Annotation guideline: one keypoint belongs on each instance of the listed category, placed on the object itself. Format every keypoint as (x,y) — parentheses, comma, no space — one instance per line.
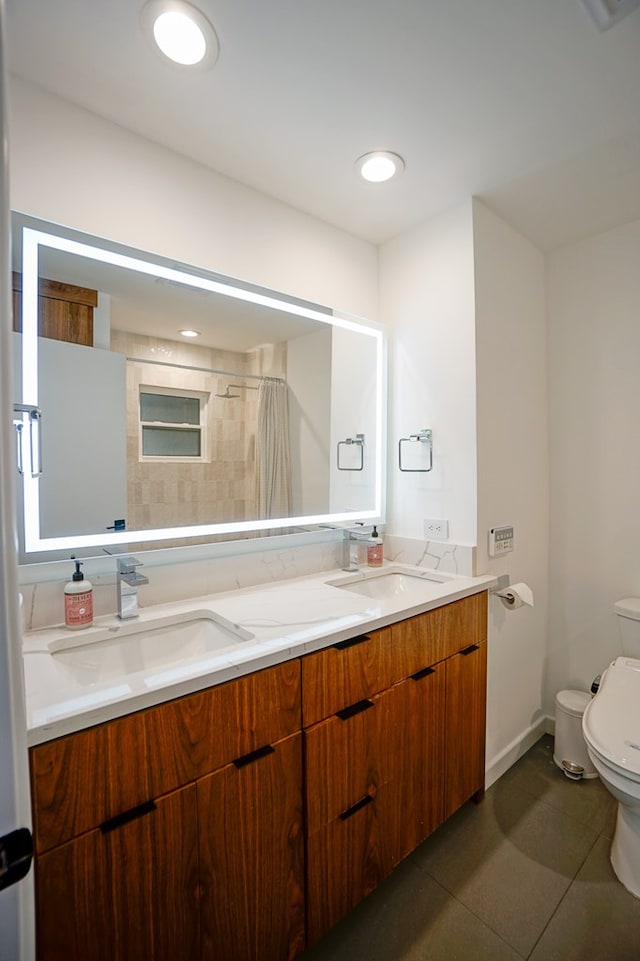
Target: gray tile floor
(523,875)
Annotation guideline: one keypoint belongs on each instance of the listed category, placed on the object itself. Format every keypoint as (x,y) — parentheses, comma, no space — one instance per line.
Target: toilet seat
(611,721)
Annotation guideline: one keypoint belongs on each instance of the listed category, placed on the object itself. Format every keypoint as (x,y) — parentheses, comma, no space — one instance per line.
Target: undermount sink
(104,653)
(390,584)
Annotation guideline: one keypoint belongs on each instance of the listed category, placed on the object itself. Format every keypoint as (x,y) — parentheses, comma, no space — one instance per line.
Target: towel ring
(358,440)
(422,437)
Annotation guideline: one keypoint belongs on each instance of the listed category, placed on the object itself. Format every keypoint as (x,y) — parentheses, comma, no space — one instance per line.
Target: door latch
(16,854)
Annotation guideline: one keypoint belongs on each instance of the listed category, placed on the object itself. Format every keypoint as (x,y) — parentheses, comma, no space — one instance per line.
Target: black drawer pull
(367,799)
(425,672)
(354,709)
(254,756)
(351,642)
(470,649)
(131,815)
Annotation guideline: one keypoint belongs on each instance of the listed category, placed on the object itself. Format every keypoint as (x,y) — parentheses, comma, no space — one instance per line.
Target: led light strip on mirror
(35,239)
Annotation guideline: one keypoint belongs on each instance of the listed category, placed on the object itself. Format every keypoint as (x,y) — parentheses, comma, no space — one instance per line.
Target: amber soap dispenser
(374,549)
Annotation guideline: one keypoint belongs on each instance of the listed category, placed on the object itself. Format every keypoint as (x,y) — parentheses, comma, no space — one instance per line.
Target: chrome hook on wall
(423,437)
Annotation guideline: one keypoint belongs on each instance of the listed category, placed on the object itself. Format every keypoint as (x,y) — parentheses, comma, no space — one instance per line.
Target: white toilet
(611,728)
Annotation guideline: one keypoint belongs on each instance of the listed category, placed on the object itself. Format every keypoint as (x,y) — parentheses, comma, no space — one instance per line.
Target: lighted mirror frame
(35,239)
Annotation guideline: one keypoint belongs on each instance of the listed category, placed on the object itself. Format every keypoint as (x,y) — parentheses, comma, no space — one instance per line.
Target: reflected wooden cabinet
(65,311)
(240,823)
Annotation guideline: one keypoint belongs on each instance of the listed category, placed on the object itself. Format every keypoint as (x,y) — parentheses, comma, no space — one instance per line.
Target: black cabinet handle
(351,642)
(367,799)
(131,815)
(425,672)
(470,649)
(354,709)
(254,756)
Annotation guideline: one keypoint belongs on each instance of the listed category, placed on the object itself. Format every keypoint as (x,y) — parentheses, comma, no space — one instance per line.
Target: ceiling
(147,302)
(523,103)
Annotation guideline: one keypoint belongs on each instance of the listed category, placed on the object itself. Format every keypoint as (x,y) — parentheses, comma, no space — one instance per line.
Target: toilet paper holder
(504,580)
(513,596)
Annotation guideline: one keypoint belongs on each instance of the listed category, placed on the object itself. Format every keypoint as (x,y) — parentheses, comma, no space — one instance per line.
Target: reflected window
(172,424)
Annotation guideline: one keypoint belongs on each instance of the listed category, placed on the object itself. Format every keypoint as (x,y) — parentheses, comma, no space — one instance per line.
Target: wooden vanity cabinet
(133,820)
(376,767)
(240,823)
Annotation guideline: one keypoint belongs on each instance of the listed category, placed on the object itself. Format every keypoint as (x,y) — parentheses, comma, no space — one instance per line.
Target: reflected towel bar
(358,440)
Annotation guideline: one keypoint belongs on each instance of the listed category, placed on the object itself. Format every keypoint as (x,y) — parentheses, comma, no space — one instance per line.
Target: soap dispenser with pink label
(78,600)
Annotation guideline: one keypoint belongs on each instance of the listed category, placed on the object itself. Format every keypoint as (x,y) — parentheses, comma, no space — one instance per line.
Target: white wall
(513,473)
(72,167)
(309,380)
(353,411)
(594,340)
(427,298)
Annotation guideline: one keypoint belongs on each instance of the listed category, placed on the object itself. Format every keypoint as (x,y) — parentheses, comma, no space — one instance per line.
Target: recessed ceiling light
(181,32)
(380,165)
(189,333)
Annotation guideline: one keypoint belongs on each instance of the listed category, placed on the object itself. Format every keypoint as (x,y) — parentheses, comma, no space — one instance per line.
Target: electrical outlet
(436,529)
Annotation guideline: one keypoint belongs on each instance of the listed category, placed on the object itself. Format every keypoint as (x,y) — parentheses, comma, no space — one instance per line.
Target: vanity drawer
(350,755)
(345,673)
(351,670)
(80,781)
(83,780)
(428,638)
(198,734)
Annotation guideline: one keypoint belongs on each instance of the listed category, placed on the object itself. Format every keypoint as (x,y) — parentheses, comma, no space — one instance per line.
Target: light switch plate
(500,541)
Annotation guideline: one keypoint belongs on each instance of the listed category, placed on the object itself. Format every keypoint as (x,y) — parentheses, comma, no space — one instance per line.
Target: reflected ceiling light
(189,333)
(380,165)
(181,32)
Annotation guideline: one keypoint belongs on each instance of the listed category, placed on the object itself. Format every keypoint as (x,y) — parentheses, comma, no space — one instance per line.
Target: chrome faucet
(128,581)
(353,536)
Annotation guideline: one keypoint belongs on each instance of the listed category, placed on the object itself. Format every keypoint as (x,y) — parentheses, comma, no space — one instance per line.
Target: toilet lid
(611,722)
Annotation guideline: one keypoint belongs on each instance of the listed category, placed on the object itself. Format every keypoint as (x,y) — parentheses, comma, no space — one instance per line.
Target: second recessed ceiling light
(379,165)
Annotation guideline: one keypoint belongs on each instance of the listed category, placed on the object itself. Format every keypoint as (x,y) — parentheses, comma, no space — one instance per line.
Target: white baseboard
(519,746)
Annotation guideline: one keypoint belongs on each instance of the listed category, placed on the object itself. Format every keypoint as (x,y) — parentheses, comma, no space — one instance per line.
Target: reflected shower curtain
(273,459)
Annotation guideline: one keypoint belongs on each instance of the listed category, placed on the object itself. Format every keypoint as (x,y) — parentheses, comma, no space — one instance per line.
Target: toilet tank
(628,612)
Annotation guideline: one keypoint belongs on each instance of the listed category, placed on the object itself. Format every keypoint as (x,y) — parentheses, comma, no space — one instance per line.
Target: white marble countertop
(69,690)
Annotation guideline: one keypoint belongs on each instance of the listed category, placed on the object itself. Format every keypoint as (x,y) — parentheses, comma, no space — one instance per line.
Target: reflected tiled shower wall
(162,494)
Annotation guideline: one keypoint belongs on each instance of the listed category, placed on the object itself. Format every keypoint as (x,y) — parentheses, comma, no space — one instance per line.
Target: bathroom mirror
(130,433)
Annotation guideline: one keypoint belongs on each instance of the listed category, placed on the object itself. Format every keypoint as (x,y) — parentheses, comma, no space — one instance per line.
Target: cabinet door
(350,755)
(355,805)
(80,781)
(348,858)
(466,702)
(126,892)
(421,759)
(252,856)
